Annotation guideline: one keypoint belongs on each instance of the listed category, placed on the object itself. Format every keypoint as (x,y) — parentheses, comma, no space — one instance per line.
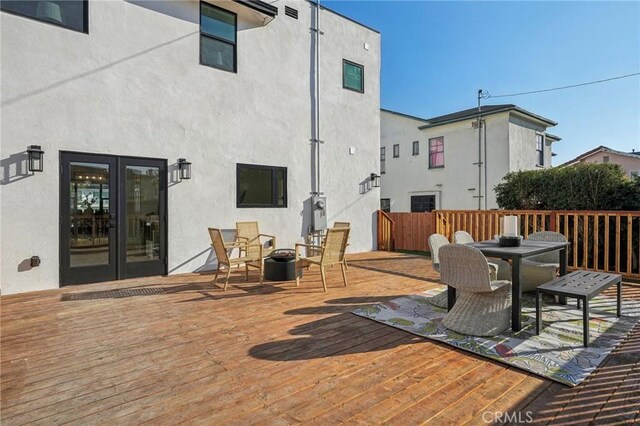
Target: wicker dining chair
(500,269)
(543,267)
(436,242)
(332,252)
(249,233)
(483,306)
(253,257)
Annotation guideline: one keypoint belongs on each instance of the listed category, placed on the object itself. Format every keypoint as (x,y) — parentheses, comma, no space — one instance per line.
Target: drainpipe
(486,191)
(479,151)
(318,140)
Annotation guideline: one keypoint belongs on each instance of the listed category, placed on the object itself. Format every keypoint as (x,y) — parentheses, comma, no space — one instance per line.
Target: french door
(113,217)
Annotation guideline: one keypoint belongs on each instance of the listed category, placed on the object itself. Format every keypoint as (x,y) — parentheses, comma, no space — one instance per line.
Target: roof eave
(260,6)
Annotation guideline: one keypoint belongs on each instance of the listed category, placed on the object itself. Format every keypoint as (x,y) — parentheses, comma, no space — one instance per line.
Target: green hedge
(579,187)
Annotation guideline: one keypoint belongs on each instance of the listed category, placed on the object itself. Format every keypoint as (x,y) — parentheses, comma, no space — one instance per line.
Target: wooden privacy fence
(607,241)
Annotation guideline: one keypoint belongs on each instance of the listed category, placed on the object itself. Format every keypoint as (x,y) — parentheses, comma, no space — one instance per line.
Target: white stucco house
(628,161)
(452,162)
(270,103)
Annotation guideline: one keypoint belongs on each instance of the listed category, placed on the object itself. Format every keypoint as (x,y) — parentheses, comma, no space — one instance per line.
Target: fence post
(552,223)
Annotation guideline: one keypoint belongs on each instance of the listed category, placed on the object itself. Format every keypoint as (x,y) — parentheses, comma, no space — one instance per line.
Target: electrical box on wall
(319,206)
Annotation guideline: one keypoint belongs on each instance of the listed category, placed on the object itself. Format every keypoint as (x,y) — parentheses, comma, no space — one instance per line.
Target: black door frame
(151,267)
(83,274)
(118,267)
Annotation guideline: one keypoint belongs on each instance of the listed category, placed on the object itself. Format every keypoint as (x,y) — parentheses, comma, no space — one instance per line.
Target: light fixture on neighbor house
(375,180)
(35,155)
(184,168)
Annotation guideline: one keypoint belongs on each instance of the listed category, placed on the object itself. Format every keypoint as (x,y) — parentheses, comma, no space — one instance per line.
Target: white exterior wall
(522,148)
(133,86)
(456,185)
(408,173)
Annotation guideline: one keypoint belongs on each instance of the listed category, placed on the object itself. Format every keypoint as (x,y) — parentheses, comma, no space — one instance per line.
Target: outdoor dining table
(527,248)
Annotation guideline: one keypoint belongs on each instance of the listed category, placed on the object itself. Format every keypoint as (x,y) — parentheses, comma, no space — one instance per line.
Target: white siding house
(444,172)
(115,92)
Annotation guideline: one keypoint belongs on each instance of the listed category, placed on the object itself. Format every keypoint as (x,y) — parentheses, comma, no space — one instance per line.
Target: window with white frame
(436,152)
(540,150)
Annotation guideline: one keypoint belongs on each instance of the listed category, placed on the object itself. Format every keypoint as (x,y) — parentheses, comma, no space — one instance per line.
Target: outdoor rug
(557,353)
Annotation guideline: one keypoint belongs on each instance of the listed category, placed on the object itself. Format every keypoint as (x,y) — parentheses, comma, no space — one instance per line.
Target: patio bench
(581,285)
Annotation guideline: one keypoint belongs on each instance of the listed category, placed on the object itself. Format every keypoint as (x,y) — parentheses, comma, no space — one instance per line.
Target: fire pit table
(281,265)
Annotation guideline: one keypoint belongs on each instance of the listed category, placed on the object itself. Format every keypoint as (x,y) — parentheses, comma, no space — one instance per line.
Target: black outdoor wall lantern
(35,154)
(184,168)
(375,180)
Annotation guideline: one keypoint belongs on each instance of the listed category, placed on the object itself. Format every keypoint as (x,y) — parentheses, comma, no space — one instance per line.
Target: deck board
(165,350)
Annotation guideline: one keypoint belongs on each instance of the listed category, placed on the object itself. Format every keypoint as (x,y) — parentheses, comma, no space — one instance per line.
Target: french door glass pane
(89,211)
(142,186)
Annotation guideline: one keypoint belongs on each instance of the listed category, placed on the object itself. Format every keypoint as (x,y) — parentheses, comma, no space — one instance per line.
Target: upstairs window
(436,152)
(416,148)
(383,160)
(261,186)
(218,29)
(605,159)
(385,205)
(540,150)
(71,14)
(352,76)
(396,150)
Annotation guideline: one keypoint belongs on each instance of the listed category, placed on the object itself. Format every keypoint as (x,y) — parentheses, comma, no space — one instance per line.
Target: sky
(436,55)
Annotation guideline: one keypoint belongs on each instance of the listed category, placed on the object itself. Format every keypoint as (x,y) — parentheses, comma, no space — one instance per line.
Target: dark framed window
(385,204)
(416,148)
(605,159)
(261,186)
(396,150)
(352,76)
(71,14)
(383,160)
(436,152)
(218,31)
(423,203)
(540,150)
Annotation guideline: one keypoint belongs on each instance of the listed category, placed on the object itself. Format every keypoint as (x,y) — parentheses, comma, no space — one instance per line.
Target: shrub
(580,187)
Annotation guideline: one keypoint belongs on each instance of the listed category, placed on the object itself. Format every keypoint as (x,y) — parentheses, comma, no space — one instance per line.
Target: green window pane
(217,22)
(281,186)
(255,187)
(353,76)
(216,53)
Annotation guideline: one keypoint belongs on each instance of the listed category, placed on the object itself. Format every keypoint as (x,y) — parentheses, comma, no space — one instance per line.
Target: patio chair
(542,268)
(483,305)
(343,225)
(253,257)
(331,253)
(249,233)
(436,242)
(500,269)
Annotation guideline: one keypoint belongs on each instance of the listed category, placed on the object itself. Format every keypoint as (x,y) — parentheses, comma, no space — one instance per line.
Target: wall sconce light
(375,180)
(35,154)
(184,168)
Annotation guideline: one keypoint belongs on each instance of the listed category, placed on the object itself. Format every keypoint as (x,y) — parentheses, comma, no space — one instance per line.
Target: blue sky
(436,55)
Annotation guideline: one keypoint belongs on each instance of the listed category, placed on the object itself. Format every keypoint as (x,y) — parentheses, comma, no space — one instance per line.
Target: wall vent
(289,11)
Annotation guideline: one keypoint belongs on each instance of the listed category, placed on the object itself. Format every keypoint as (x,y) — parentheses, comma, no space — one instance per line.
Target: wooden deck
(178,349)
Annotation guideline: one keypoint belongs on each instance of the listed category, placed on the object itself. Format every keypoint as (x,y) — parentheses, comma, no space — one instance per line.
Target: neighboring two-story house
(159,119)
(628,161)
(453,161)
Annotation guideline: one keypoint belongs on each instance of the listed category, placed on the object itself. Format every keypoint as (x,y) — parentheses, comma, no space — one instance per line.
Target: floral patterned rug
(557,353)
